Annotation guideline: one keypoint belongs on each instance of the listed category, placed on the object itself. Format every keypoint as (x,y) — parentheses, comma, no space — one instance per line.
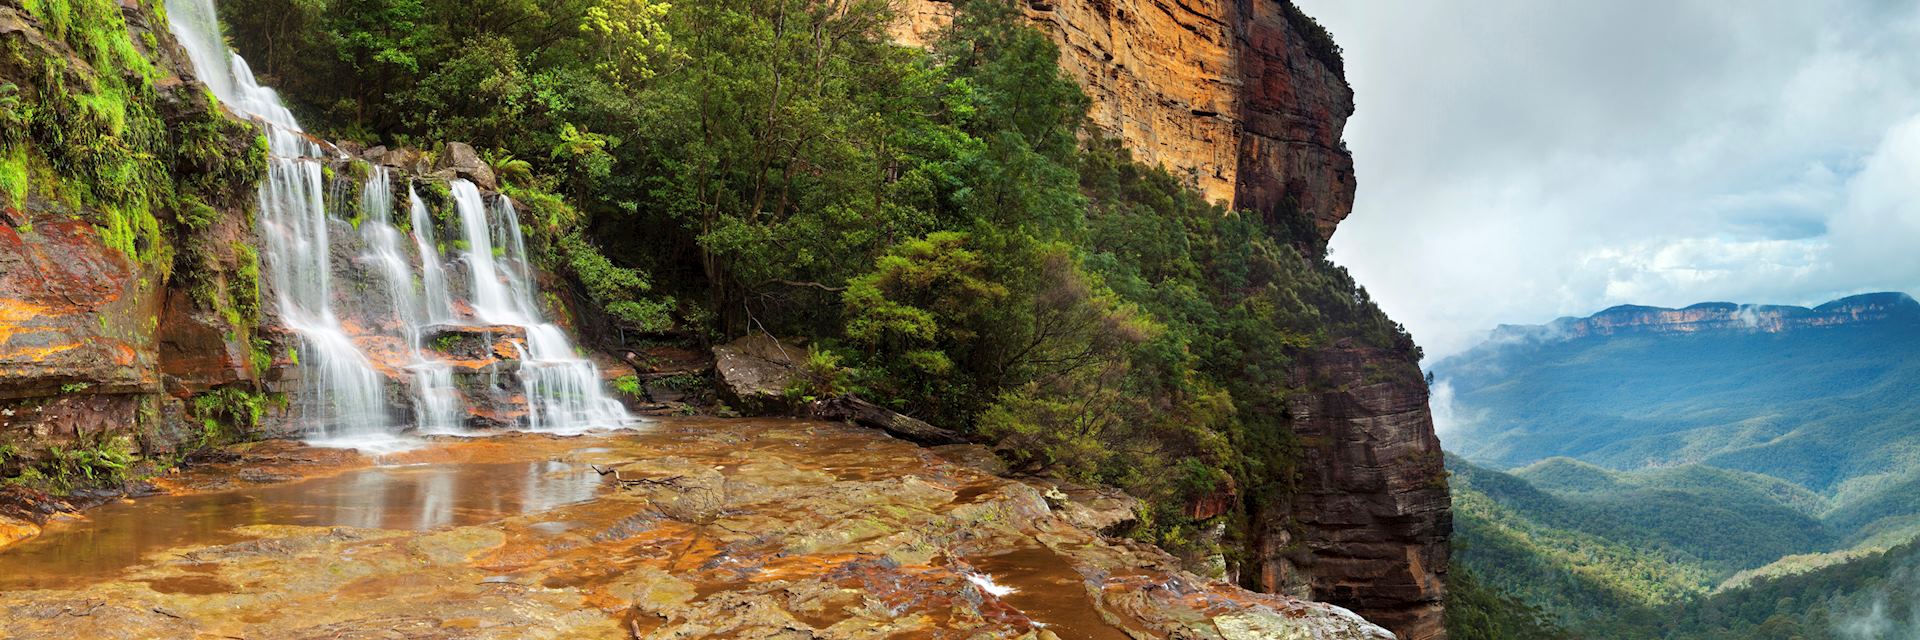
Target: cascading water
(348,363)
(436,403)
(562,389)
(433,276)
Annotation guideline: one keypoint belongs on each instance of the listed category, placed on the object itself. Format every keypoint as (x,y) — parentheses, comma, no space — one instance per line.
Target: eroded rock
(755,371)
(459,160)
(701,528)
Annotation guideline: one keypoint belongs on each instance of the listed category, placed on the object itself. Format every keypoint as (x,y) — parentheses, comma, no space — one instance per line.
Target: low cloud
(1520,161)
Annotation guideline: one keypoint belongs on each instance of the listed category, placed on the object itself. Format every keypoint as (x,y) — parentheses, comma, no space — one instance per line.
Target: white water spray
(344,397)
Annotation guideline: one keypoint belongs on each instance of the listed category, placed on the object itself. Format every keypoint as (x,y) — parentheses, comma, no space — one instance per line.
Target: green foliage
(229,414)
(13,177)
(619,290)
(820,376)
(86,125)
(1543,550)
(629,385)
(260,355)
(631,35)
(941,222)
(1478,612)
(91,462)
(510,170)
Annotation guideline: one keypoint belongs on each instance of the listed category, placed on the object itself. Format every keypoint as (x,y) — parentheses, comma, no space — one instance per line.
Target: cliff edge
(1247,98)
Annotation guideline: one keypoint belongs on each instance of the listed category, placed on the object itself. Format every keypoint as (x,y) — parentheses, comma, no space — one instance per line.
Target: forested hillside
(1825,402)
(935,220)
(1587,553)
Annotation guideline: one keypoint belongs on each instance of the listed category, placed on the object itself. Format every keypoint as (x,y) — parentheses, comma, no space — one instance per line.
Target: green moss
(243,285)
(95,125)
(260,355)
(97,462)
(238,410)
(13,178)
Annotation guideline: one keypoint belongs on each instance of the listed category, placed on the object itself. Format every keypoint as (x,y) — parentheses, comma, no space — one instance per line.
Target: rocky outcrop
(755,371)
(1368,524)
(1245,98)
(697,528)
(120,305)
(458,160)
(1871,308)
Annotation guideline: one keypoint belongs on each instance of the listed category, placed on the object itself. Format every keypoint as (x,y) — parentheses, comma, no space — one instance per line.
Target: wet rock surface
(695,528)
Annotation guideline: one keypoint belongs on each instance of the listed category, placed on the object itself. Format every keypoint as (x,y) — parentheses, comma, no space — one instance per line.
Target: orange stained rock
(740,528)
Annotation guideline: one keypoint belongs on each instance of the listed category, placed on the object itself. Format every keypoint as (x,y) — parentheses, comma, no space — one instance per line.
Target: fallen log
(853,409)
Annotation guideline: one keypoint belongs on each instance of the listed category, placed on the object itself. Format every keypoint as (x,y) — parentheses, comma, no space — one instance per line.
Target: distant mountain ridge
(1882,307)
(1717,471)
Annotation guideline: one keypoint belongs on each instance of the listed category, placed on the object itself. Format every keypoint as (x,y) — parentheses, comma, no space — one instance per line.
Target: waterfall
(433,276)
(563,390)
(353,346)
(436,402)
(345,398)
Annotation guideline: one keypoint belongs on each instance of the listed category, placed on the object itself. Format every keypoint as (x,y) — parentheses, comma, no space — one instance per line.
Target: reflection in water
(1044,586)
(416,497)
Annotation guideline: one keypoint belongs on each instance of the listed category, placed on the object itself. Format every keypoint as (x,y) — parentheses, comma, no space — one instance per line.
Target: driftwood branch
(852,408)
(669,481)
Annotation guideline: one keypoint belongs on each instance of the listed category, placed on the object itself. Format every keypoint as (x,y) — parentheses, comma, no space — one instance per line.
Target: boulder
(754,373)
(459,160)
(396,158)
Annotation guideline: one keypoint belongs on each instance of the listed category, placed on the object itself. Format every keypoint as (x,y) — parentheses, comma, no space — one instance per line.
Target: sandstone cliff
(1247,98)
(1244,97)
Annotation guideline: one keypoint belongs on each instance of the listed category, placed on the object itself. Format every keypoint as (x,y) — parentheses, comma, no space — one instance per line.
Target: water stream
(367,374)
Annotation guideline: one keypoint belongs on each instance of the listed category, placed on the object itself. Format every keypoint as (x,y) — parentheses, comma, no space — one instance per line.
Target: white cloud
(1521,160)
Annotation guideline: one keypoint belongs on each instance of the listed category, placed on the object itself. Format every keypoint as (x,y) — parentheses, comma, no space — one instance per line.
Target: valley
(1618,469)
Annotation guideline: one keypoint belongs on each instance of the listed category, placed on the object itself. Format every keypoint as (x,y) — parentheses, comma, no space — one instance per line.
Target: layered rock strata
(1248,100)
(1234,95)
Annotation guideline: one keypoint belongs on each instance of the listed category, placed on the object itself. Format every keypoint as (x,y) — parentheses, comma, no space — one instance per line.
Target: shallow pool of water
(410,497)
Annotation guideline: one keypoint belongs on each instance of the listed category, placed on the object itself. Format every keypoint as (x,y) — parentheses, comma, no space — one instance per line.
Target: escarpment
(1713,317)
(1247,99)
(1244,98)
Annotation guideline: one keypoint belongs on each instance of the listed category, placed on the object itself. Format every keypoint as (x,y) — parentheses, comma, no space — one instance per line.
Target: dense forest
(1565,549)
(943,226)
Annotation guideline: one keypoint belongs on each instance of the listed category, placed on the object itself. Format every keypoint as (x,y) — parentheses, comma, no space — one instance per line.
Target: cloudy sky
(1522,160)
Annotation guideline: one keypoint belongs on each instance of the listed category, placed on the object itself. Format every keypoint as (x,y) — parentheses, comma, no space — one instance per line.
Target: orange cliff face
(1247,98)
(1228,94)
